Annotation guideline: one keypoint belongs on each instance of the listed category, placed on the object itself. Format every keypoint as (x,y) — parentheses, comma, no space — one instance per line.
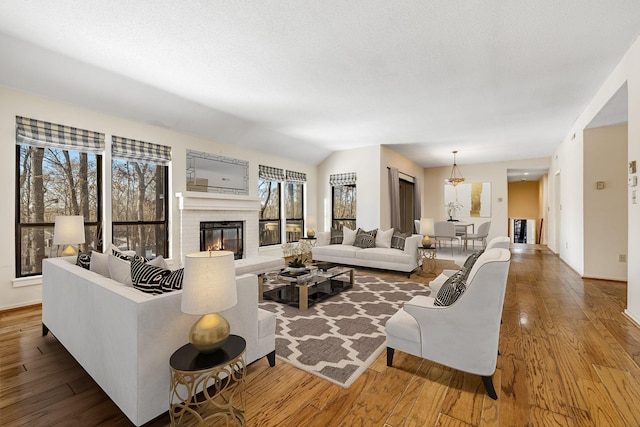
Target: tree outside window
(344,206)
(52,182)
(295,208)
(269,220)
(139,206)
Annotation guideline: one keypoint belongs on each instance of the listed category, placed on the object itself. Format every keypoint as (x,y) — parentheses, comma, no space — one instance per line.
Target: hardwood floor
(569,357)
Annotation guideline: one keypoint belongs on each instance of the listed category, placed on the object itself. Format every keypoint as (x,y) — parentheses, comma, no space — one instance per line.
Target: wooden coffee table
(306,289)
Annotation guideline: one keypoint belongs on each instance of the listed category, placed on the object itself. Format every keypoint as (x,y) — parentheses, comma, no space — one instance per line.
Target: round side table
(428,256)
(208,389)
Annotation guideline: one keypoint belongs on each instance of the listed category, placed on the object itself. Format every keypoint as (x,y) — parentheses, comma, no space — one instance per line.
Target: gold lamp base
(69,250)
(426,242)
(310,233)
(209,333)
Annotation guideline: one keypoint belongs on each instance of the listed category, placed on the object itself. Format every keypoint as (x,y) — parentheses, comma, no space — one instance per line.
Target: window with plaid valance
(271,173)
(41,134)
(338,179)
(140,151)
(296,176)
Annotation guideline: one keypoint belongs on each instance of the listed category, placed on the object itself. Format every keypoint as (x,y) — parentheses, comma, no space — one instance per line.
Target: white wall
(568,159)
(494,173)
(605,210)
(14,293)
(365,163)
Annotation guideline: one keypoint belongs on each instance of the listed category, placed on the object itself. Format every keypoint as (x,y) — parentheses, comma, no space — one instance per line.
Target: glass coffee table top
(302,289)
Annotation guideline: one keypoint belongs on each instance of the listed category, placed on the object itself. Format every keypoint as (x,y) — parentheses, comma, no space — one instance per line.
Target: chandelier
(456,176)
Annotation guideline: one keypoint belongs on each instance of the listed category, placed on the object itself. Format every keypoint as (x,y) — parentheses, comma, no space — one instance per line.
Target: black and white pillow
(173,281)
(365,239)
(450,291)
(336,237)
(398,240)
(471,259)
(147,278)
(84,260)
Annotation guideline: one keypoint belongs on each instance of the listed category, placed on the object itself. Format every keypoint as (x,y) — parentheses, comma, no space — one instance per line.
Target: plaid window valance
(139,151)
(270,173)
(342,179)
(296,176)
(50,135)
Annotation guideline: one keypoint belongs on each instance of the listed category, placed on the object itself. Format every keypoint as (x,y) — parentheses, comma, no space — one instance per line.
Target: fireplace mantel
(193,200)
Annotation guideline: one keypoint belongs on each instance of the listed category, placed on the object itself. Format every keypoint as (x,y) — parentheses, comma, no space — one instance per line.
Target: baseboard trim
(632,317)
(611,279)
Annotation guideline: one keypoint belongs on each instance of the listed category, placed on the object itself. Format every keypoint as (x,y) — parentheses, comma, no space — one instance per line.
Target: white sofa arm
(323,238)
(411,245)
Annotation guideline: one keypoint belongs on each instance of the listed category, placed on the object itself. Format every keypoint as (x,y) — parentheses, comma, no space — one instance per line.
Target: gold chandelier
(456,176)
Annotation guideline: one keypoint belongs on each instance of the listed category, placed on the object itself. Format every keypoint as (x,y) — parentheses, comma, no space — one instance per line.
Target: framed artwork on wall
(472,200)
(216,174)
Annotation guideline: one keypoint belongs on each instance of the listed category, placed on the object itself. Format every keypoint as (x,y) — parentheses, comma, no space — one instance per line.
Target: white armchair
(464,335)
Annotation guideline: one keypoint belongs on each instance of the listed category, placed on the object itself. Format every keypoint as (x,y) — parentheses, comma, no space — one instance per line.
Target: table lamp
(311,222)
(209,287)
(426,229)
(68,230)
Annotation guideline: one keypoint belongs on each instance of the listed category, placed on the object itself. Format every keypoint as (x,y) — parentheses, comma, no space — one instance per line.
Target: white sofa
(124,338)
(384,258)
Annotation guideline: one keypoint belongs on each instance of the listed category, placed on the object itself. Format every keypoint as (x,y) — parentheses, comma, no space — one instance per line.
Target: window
(269,222)
(294,207)
(58,172)
(139,188)
(294,203)
(343,200)
(344,207)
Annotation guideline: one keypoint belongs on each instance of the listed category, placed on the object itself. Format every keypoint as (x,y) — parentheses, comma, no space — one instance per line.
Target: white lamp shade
(209,283)
(311,221)
(426,226)
(68,230)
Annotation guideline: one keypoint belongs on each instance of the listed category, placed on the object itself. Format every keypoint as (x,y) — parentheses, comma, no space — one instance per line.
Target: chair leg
(488,385)
(390,356)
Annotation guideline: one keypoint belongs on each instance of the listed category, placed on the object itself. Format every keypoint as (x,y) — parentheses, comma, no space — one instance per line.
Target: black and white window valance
(296,176)
(270,173)
(50,135)
(139,151)
(338,179)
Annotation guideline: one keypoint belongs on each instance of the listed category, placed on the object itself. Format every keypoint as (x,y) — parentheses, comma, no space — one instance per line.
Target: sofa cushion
(383,238)
(147,278)
(341,251)
(84,260)
(348,236)
(383,255)
(99,263)
(450,291)
(120,270)
(336,237)
(365,239)
(398,239)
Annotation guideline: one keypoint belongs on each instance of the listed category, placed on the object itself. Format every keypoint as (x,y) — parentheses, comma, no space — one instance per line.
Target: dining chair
(445,230)
(481,235)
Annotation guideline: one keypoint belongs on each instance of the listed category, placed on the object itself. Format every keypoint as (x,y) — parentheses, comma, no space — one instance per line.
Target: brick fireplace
(196,207)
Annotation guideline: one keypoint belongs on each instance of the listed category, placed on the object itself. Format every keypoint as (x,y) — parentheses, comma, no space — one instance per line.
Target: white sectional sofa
(124,338)
(378,257)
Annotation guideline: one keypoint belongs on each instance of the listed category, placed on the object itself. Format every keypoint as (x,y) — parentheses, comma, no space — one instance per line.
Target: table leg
(303,299)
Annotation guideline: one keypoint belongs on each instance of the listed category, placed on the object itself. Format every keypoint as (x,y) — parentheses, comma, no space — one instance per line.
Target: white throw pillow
(383,238)
(99,263)
(120,270)
(114,248)
(348,236)
(159,262)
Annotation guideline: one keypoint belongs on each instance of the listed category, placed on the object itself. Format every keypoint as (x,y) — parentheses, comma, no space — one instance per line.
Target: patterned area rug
(339,338)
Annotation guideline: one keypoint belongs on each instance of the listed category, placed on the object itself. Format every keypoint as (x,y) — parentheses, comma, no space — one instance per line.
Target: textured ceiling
(496,80)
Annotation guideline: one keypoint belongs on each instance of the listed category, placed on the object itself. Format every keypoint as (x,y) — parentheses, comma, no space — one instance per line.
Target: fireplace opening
(222,236)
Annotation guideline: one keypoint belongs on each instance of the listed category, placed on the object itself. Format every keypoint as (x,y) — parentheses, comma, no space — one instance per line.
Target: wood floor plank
(624,390)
